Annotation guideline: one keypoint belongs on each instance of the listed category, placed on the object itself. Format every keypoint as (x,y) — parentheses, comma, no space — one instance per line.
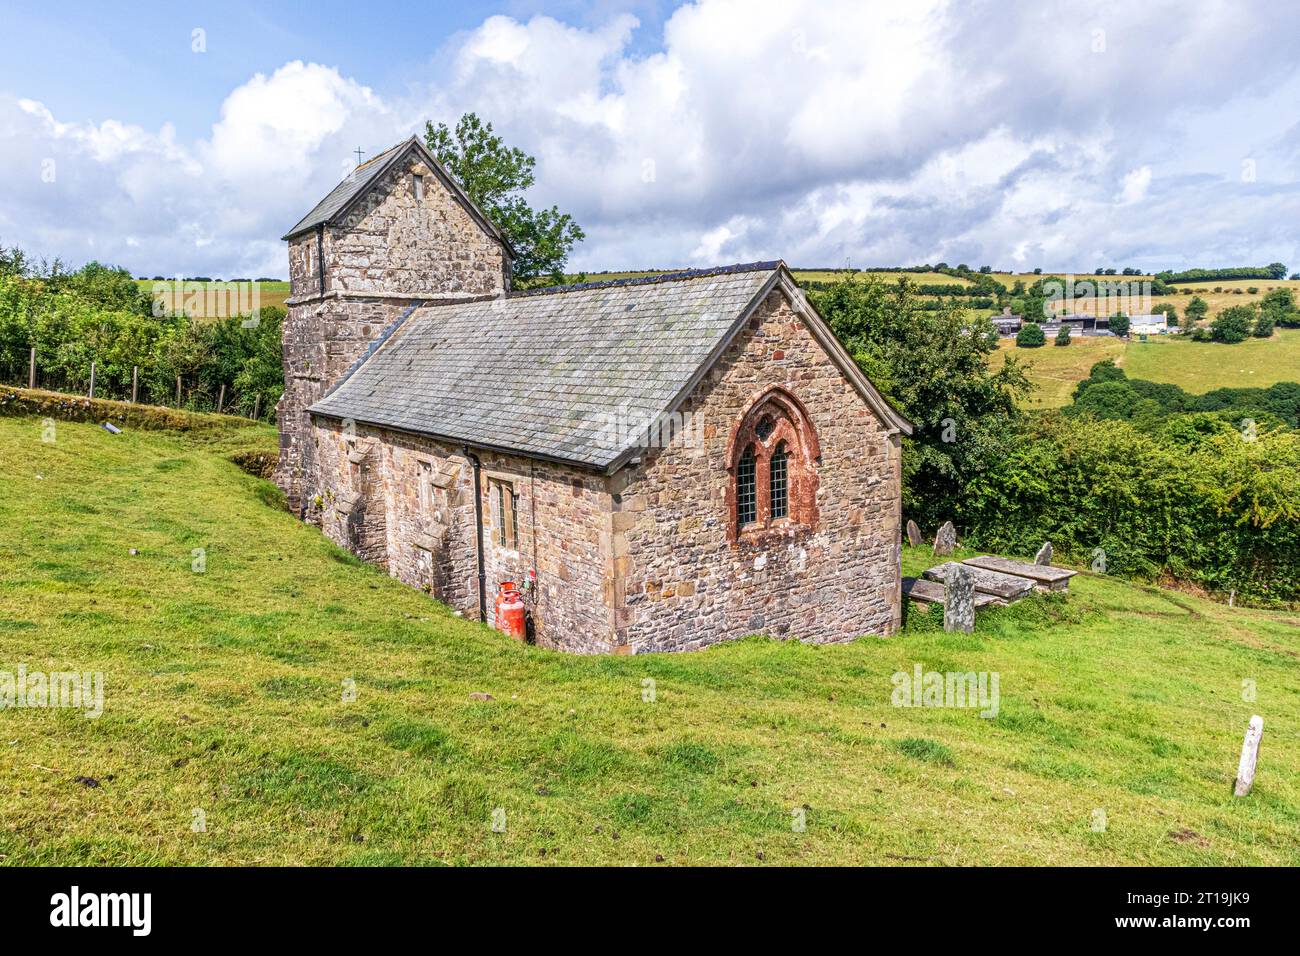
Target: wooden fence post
(257,405)
(178,391)
(92,381)
(135,382)
(31,371)
(221,398)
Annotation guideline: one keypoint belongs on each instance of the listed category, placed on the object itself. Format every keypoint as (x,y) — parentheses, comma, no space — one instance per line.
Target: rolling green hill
(224,694)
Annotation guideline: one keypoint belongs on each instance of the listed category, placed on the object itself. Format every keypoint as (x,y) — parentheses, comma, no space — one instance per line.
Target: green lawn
(224,694)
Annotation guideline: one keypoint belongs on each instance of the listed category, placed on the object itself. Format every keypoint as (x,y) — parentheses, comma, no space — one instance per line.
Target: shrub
(1233,324)
(1030,336)
(1280,305)
(1063,335)
(1222,510)
(97,315)
(934,366)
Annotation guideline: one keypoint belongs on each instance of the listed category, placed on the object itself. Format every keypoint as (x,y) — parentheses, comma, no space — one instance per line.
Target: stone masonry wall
(681,583)
(407,502)
(321,339)
(391,243)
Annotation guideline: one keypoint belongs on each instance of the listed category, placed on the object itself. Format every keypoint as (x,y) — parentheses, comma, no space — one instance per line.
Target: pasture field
(1116,737)
(810,275)
(1202,366)
(1235,292)
(269,293)
(920,278)
(1197,367)
(1056,370)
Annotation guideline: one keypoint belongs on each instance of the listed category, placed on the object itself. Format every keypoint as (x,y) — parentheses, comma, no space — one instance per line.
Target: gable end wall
(682,584)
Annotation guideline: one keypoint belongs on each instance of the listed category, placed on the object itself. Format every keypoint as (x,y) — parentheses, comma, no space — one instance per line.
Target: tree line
(1274,270)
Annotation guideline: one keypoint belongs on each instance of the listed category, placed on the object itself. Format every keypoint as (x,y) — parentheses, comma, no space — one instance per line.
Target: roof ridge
(740,267)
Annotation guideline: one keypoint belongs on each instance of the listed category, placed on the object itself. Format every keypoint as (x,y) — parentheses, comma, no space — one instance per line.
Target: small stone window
(417,187)
(505,513)
(746,498)
(774,456)
(426,487)
(353,459)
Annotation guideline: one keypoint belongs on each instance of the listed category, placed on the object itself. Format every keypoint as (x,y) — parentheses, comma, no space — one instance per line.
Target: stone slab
(1045,577)
(1009,587)
(931,592)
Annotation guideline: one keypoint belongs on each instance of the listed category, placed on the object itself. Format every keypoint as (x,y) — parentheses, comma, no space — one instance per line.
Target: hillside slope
(224,694)
(1197,367)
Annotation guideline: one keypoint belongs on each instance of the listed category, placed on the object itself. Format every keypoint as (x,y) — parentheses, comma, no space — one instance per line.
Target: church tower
(397,232)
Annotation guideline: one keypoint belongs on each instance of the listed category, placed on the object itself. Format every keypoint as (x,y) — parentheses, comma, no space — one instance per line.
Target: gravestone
(959,600)
(945,539)
(1249,754)
(913,534)
(1044,555)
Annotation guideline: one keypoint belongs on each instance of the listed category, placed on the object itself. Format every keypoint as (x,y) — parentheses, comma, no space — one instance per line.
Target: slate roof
(355,184)
(550,373)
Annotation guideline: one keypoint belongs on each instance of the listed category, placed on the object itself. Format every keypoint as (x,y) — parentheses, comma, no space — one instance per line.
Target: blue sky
(139,67)
(1058,134)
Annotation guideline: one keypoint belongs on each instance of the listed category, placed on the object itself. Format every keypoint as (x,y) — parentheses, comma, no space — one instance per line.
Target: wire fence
(135,386)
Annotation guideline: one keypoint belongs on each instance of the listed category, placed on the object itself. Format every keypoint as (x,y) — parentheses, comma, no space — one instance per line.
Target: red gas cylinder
(510,614)
(506,587)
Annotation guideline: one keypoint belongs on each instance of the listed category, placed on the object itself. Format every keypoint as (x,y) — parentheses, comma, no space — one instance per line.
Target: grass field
(1197,367)
(268,293)
(275,293)
(920,278)
(1055,370)
(1235,292)
(1202,366)
(223,695)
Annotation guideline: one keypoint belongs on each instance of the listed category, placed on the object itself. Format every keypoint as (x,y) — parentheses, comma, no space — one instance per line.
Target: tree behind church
(933,364)
(495,176)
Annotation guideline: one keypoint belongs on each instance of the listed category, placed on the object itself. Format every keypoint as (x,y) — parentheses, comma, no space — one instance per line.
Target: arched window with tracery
(773,456)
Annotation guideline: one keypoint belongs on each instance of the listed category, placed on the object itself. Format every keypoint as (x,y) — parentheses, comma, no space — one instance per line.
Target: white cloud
(877,133)
(1136,184)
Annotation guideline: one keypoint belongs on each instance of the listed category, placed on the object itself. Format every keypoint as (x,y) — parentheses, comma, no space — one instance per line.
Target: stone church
(659,463)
